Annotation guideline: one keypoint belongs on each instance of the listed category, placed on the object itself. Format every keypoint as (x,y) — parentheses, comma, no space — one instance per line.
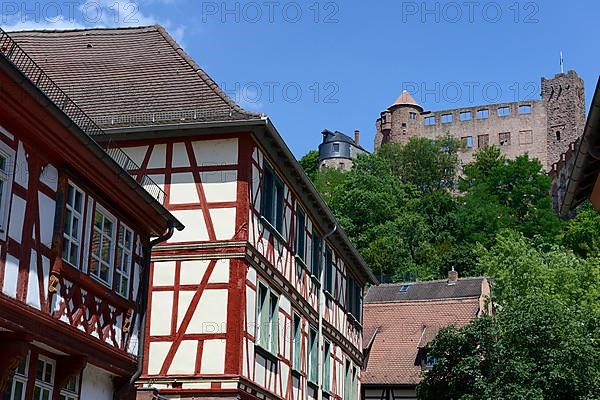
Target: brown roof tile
(130,76)
(425,290)
(399,323)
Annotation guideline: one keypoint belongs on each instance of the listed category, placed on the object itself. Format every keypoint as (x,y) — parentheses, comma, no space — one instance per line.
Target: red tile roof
(401,327)
(130,76)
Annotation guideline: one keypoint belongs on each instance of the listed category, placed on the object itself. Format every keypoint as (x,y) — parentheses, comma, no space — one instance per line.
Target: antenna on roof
(562,63)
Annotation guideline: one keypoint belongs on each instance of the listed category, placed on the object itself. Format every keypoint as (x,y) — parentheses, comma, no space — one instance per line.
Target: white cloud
(89,14)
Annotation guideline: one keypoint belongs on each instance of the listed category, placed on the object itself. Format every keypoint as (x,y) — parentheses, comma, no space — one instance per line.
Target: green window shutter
(266,208)
(327,367)
(316,254)
(274,322)
(300,234)
(263,316)
(350,292)
(297,342)
(279,206)
(312,356)
(347,382)
(329,271)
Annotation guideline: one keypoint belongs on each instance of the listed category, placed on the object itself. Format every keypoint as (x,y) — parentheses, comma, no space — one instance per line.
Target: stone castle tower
(564,99)
(542,128)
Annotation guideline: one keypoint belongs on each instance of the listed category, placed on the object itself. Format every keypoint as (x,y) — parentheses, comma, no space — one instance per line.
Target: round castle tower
(401,121)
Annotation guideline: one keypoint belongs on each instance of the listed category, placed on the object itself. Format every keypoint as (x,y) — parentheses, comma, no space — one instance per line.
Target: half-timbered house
(75,240)
(260,296)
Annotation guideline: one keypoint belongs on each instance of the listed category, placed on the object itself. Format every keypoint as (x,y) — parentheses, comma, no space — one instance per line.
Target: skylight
(404,288)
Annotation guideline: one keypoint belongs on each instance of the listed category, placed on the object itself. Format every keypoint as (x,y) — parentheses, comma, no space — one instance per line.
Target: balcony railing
(10,50)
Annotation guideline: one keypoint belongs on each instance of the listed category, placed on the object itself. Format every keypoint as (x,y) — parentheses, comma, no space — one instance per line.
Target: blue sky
(337,64)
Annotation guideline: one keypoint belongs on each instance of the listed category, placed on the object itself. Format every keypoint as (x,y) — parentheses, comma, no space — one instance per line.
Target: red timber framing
(180,360)
(44,301)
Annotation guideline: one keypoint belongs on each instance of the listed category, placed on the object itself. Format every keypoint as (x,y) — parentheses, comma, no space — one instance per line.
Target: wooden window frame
(112,250)
(69,239)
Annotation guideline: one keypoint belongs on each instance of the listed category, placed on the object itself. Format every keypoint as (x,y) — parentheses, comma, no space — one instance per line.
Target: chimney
(356,137)
(452,277)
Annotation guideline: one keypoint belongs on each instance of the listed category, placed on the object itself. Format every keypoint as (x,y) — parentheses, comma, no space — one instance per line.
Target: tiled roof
(399,323)
(426,290)
(402,328)
(130,76)
(405,99)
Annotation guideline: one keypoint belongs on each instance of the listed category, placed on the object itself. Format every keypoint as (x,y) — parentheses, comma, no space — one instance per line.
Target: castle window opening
(483,140)
(336,147)
(404,124)
(465,115)
(504,139)
(557,136)
(525,109)
(467,142)
(446,118)
(412,115)
(483,114)
(526,137)
(429,121)
(503,111)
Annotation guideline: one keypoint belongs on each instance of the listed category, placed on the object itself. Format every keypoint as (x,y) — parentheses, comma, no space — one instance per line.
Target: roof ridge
(440,300)
(432,281)
(203,75)
(74,30)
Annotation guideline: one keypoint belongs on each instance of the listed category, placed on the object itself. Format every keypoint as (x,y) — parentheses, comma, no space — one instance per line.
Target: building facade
(260,296)
(542,128)
(575,177)
(338,150)
(402,318)
(75,230)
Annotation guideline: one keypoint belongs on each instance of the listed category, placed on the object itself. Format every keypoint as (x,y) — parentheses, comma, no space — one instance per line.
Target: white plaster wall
(11,276)
(180,157)
(183,189)
(213,357)
(156,356)
(195,227)
(216,152)
(219,185)
(160,316)
(137,154)
(96,384)
(184,361)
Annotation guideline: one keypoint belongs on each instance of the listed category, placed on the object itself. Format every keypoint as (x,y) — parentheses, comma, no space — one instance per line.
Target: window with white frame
(124,257)
(446,118)
(18,386)
(483,113)
(103,246)
(44,379)
(465,115)
(267,317)
(71,389)
(73,226)
(6,168)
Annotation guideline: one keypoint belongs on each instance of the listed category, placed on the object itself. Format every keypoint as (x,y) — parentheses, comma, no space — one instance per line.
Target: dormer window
(336,147)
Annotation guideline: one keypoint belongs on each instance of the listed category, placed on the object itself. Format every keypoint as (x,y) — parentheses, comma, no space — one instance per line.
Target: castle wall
(544,131)
(515,133)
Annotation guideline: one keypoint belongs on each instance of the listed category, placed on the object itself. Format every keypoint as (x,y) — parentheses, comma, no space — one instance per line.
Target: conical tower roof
(405,99)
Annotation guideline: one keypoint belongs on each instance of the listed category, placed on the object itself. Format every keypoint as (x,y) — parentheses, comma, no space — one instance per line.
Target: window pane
(78,201)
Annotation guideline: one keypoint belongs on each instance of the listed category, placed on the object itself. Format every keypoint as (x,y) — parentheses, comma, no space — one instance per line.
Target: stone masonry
(542,128)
